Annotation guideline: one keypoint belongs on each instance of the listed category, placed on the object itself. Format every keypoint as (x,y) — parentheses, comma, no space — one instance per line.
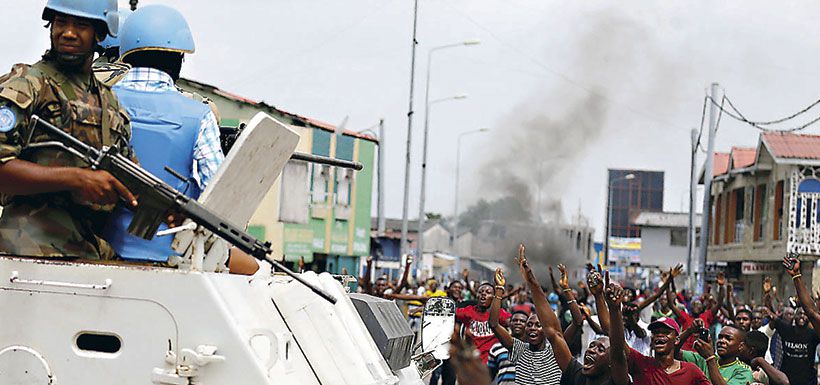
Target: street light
(427,104)
(455,196)
(423,194)
(609,212)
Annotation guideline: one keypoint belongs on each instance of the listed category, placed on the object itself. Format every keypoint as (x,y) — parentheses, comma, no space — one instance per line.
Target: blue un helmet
(104,11)
(156,27)
(114,41)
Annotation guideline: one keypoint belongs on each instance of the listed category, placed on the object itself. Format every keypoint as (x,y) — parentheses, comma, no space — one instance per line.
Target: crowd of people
(600,332)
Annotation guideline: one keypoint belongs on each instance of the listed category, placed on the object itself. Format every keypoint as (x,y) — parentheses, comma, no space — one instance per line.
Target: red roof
(721,165)
(794,146)
(743,157)
(312,122)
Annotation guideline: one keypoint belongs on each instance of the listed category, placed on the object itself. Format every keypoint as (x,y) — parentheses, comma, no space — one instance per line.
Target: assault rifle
(157,199)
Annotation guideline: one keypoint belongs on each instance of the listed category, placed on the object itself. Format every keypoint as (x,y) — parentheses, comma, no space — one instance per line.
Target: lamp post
(455,196)
(403,245)
(380,226)
(609,212)
(423,194)
(427,104)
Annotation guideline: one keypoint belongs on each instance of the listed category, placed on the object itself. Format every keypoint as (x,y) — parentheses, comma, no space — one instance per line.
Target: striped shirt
(500,366)
(207,150)
(534,367)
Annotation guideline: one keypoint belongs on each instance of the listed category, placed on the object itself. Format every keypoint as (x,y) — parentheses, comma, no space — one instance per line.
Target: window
(293,200)
(760,212)
(740,207)
(677,237)
(318,184)
(729,215)
(344,185)
(719,217)
(777,223)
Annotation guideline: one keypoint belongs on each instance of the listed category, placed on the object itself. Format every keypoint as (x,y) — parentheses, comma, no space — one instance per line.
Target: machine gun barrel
(229,135)
(327,160)
(158,198)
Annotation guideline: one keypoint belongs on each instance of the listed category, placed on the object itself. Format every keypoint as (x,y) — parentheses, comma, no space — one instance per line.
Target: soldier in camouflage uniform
(54,206)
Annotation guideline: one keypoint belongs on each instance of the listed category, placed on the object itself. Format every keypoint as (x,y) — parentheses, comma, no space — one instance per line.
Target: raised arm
(724,294)
(595,283)
(654,297)
(367,280)
(776,377)
(705,349)
(568,298)
(697,325)
(403,283)
(792,266)
(466,275)
(500,331)
(549,321)
(673,299)
(618,349)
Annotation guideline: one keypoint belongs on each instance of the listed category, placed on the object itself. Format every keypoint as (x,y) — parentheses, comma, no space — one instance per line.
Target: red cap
(665,322)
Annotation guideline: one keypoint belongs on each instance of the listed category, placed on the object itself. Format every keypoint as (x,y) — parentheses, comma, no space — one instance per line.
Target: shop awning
(491,265)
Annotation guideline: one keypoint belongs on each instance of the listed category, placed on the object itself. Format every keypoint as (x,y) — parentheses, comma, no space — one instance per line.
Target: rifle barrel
(327,160)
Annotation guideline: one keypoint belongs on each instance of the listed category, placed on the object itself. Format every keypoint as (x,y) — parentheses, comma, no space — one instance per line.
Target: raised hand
(595,280)
(791,264)
(676,270)
(500,281)
(564,282)
(585,311)
(614,292)
(704,348)
(409,260)
(767,285)
(466,274)
(721,278)
(697,324)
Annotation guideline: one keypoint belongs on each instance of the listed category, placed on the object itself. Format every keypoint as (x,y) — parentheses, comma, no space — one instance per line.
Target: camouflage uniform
(56,224)
(109,73)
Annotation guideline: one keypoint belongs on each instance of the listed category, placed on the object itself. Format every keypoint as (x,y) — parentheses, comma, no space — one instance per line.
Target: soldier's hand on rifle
(99,187)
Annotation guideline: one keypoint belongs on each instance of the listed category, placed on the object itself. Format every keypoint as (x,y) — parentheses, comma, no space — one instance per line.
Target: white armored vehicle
(99,323)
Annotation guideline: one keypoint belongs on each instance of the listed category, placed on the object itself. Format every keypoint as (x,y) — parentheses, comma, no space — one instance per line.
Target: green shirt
(735,373)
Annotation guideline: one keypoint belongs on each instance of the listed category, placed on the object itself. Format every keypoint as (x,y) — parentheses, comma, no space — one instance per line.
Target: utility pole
(693,183)
(708,170)
(380,183)
(403,246)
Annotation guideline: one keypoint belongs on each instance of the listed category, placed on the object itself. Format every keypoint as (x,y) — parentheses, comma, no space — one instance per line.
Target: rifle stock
(156,199)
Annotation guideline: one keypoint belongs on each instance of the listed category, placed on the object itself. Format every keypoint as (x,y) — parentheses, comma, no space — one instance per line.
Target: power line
(737,115)
(702,122)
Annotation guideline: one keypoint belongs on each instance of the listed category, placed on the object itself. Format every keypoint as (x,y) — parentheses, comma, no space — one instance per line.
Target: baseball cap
(665,322)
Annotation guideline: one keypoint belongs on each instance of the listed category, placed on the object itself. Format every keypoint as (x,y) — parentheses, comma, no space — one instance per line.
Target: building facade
(764,204)
(317,213)
(664,237)
(629,192)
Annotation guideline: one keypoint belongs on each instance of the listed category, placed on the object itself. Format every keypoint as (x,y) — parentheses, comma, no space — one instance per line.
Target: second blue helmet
(157,28)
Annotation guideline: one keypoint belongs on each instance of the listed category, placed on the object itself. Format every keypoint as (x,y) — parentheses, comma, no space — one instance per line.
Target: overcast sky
(648,63)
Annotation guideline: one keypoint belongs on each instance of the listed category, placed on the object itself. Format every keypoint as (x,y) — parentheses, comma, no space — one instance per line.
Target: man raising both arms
(535,362)
(799,340)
